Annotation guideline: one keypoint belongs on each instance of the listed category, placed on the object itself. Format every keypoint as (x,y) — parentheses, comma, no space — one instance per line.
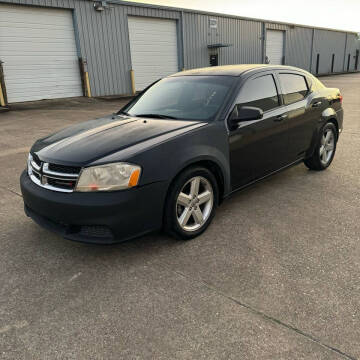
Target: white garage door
(153,46)
(275,46)
(37,46)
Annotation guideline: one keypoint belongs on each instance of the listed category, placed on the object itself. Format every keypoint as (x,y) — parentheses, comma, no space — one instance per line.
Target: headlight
(109,177)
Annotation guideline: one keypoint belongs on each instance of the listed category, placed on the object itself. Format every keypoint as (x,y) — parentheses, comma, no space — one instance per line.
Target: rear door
(259,147)
(302,112)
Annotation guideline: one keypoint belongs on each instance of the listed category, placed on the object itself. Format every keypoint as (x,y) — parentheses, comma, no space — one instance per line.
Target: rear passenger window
(294,87)
(260,92)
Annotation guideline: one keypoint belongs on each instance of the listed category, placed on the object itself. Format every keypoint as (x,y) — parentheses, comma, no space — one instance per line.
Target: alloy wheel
(194,203)
(327,146)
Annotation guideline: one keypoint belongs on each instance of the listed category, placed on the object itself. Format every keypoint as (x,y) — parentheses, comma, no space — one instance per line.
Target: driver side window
(260,92)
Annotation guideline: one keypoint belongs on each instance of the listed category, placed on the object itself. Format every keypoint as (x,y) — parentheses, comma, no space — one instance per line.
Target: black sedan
(170,156)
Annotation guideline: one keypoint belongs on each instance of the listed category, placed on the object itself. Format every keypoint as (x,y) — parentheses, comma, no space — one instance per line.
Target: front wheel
(325,149)
(191,202)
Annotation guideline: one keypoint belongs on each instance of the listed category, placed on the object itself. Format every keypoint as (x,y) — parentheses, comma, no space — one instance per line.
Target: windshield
(183,97)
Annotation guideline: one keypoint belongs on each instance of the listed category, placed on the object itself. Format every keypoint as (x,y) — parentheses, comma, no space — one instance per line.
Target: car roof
(232,70)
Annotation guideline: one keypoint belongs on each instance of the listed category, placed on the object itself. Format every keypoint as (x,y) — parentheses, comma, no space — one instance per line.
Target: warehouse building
(67,48)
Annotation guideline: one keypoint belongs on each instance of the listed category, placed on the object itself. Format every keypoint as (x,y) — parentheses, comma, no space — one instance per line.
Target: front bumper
(101,217)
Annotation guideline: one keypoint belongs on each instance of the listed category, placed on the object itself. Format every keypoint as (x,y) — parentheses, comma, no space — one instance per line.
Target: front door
(259,147)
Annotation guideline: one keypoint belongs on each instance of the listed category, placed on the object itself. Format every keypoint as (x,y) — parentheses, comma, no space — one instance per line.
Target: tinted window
(314,83)
(184,97)
(294,87)
(260,92)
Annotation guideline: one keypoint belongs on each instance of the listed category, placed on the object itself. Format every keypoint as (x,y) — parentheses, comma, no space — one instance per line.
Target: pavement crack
(262,314)
(12,191)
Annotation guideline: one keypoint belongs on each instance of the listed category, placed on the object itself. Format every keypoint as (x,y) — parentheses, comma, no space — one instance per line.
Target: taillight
(341,99)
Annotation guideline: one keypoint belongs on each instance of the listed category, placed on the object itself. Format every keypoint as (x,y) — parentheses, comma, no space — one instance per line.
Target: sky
(335,14)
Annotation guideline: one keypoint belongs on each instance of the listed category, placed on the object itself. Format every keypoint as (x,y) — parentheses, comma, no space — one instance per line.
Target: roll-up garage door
(153,46)
(275,46)
(37,46)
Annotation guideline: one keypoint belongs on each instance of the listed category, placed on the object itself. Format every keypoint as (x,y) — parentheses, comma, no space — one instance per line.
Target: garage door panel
(38,48)
(43,35)
(275,46)
(19,48)
(37,15)
(153,46)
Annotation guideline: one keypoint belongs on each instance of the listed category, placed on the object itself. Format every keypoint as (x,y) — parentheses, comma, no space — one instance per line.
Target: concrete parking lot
(276,276)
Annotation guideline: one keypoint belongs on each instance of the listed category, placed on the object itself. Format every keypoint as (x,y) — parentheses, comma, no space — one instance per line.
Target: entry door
(37,46)
(259,147)
(275,46)
(153,47)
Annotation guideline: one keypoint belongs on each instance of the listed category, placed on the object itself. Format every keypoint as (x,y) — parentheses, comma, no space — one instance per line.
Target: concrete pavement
(276,276)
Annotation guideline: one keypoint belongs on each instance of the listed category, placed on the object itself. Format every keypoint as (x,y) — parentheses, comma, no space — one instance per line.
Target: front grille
(64,169)
(36,160)
(52,176)
(97,231)
(62,184)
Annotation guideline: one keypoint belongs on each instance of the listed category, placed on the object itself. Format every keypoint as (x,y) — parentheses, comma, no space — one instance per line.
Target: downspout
(312,50)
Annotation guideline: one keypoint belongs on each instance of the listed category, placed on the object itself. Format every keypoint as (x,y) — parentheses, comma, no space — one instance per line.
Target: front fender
(165,160)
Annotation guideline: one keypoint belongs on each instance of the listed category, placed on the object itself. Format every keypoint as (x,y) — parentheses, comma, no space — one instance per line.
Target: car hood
(89,141)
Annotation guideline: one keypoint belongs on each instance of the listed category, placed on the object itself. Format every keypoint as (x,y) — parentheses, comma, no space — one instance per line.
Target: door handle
(316,104)
(281,117)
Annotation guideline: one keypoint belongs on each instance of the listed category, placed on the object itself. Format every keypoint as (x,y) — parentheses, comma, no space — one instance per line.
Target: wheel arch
(328,115)
(212,166)
(335,122)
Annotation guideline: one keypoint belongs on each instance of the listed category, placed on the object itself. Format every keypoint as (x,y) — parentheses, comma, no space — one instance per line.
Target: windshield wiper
(156,116)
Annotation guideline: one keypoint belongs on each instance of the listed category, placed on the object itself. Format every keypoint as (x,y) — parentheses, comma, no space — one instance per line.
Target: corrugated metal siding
(243,36)
(327,43)
(352,44)
(274,26)
(298,43)
(103,40)
(196,38)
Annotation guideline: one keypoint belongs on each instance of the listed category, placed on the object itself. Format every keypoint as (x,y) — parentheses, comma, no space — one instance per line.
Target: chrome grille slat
(47,171)
(41,175)
(35,166)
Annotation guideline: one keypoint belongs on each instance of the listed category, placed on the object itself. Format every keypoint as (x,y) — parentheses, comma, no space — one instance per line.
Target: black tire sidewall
(171,224)
(331,126)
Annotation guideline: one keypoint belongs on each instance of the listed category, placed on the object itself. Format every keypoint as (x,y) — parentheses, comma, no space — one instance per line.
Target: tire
(182,216)
(324,150)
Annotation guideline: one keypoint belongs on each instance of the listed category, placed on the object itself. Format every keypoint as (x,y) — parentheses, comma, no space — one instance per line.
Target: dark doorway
(317,63)
(214,60)
(332,62)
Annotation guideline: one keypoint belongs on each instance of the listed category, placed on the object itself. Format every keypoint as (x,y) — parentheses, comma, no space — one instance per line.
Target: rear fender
(327,115)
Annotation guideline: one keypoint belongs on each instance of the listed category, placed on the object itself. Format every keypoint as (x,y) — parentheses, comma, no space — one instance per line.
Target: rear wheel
(325,149)
(191,202)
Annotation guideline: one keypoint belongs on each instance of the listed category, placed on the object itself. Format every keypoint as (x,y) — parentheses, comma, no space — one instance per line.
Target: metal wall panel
(352,44)
(243,36)
(275,26)
(103,40)
(327,43)
(298,43)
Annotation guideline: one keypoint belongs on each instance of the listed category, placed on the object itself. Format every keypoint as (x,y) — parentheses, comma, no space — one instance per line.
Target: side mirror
(244,113)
